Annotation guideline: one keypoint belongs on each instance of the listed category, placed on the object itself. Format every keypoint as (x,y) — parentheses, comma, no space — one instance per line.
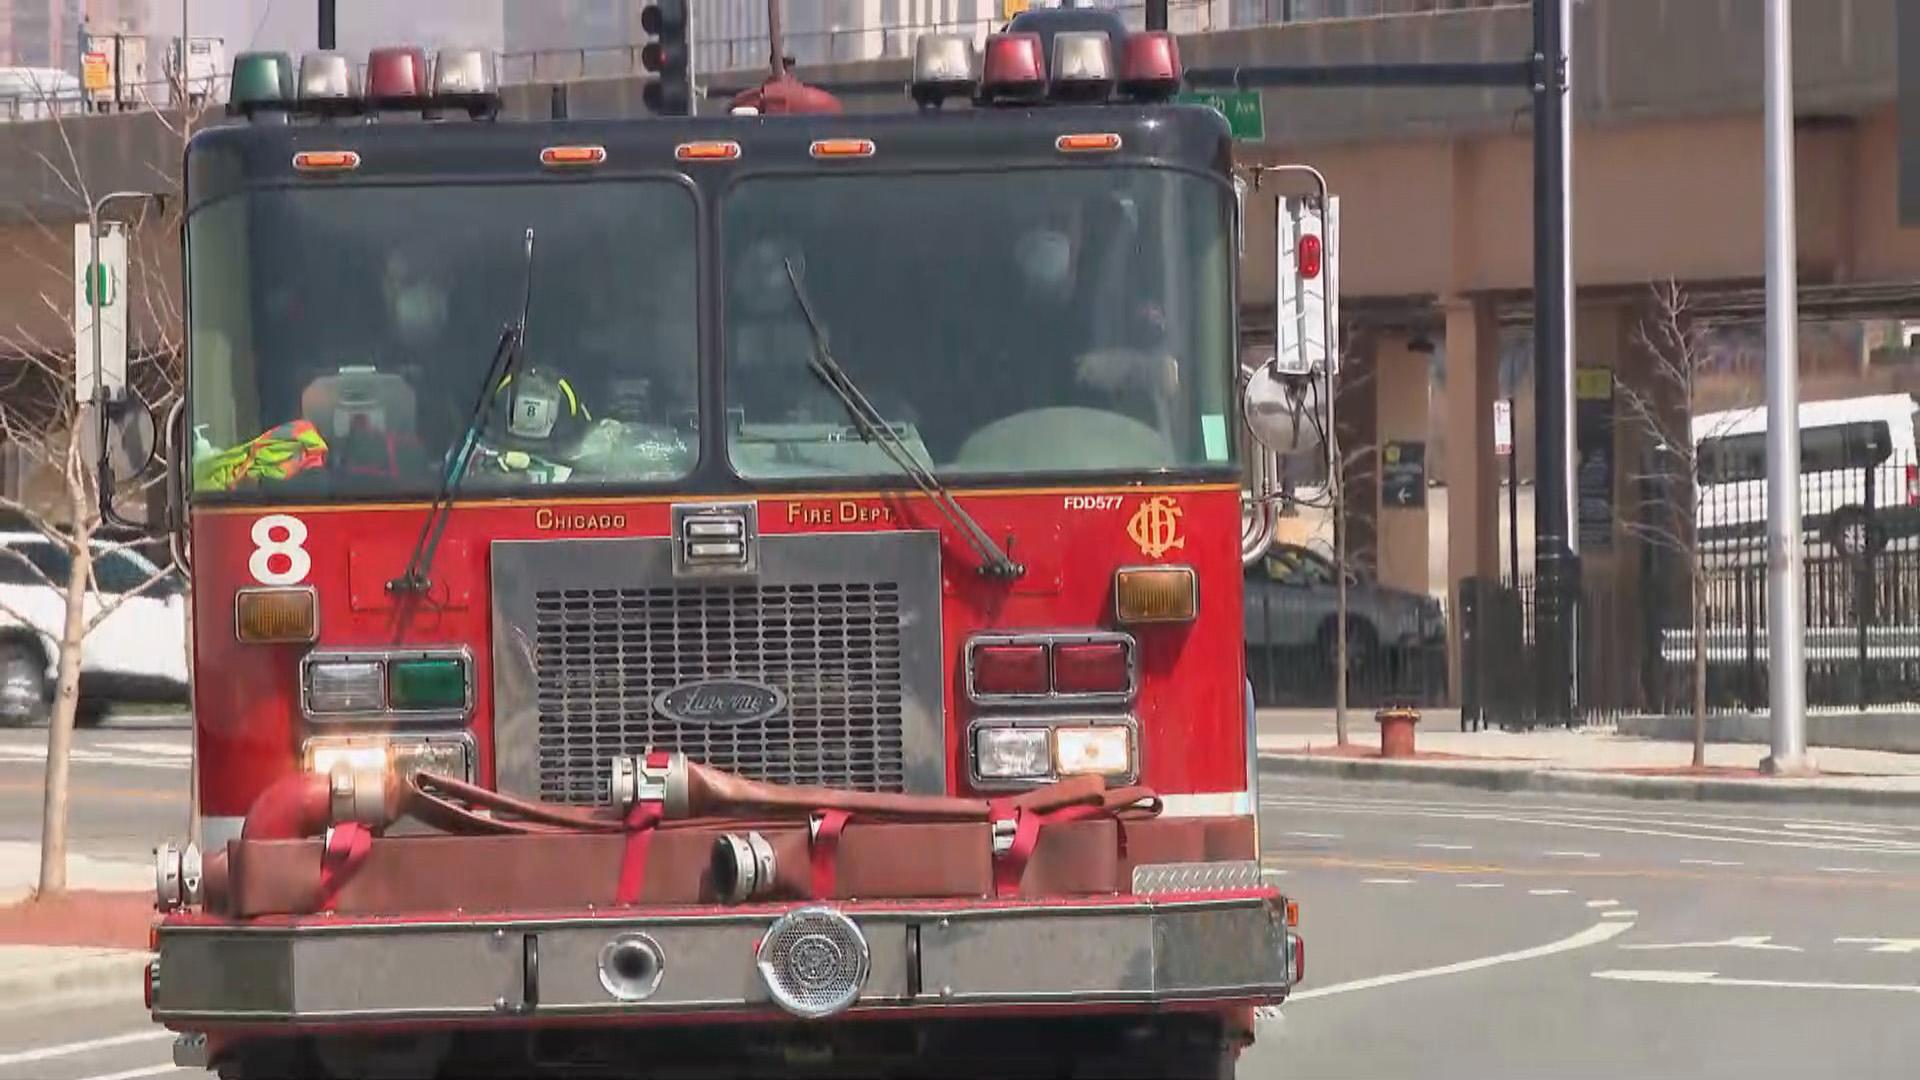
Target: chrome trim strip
(1207,804)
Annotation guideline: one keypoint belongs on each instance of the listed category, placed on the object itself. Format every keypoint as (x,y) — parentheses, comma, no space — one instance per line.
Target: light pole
(1786,683)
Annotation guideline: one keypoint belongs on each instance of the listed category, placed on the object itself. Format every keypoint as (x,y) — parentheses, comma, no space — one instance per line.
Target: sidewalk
(1590,760)
(89,944)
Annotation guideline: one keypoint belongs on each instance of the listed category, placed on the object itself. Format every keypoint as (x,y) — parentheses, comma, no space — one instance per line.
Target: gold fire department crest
(1155,527)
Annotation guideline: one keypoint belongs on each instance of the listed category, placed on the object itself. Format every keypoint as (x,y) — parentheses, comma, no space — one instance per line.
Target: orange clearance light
(1090,143)
(707,151)
(1293,913)
(1156,594)
(276,616)
(842,148)
(573,155)
(326,160)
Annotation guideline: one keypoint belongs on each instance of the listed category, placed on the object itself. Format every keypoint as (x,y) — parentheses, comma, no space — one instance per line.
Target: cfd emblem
(1155,527)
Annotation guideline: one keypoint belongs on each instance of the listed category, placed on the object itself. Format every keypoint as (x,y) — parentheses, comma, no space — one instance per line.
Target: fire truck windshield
(339,335)
(1010,321)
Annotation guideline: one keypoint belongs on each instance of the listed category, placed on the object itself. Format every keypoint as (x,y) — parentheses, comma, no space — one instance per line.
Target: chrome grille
(605,655)
(589,635)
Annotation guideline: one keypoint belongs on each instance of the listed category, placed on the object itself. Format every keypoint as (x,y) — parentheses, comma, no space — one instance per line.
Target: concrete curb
(1576,782)
(110,974)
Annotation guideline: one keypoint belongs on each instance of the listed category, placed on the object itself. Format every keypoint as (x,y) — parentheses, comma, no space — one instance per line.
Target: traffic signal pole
(327,37)
(1546,76)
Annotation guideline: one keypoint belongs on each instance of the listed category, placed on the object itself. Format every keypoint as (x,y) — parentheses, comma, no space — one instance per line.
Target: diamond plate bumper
(1231,949)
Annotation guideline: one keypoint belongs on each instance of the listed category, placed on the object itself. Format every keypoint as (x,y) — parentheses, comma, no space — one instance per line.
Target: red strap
(348,846)
(633,862)
(825,851)
(1013,862)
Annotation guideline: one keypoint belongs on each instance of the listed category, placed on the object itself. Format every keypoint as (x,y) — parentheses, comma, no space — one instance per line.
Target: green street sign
(1241,108)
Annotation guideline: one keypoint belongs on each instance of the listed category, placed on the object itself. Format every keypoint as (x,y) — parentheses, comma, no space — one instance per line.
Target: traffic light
(668,57)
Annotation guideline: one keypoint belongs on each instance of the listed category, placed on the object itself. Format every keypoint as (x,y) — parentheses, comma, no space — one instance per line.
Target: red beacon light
(1150,66)
(1012,69)
(1308,258)
(397,77)
(1082,65)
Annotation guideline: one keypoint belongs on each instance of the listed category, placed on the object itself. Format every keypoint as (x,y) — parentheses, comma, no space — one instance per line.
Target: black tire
(23,682)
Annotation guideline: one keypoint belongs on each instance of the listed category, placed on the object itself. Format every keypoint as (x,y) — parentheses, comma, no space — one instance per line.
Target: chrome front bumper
(1232,949)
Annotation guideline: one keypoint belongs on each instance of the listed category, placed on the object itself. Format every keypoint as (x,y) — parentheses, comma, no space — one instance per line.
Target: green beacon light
(262,83)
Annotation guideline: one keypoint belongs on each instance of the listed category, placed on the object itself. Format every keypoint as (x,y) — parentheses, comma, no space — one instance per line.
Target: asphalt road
(1455,933)
(129,786)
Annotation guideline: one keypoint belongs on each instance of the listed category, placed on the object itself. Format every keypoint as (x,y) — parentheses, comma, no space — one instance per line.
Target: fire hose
(651,793)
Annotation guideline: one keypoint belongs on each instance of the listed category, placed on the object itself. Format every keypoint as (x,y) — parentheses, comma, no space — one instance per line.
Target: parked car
(138,652)
(1293,599)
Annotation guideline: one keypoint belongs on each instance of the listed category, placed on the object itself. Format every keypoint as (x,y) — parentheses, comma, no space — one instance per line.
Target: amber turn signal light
(276,616)
(1156,594)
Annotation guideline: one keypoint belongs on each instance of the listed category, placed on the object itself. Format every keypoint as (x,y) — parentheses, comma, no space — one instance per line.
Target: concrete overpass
(1436,194)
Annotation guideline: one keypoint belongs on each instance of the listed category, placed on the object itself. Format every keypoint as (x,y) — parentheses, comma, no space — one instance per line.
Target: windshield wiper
(874,428)
(417,579)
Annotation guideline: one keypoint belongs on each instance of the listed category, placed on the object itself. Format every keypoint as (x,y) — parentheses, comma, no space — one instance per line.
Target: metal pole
(1156,14)
(1787,691)
(1513,503)
(1556,560)
(326,24)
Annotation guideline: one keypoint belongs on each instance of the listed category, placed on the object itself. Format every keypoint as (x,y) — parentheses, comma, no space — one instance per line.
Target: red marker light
(1092,667)
(1308,257)
(1000,670)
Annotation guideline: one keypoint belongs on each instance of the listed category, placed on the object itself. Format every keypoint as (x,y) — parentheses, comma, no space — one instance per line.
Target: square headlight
(1011,753)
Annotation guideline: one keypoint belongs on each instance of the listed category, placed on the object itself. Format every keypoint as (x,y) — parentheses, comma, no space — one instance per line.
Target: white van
(1857,464)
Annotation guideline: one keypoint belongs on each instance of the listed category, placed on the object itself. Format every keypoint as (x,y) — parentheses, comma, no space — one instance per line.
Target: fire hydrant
(1396,731)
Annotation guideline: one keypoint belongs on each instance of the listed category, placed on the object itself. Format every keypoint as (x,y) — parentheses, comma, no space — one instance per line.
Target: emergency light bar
(463,78)
(1082,66)
(397,77)
(1012,70)
(262,82)
(328,84)
(942,68)
(1150,66)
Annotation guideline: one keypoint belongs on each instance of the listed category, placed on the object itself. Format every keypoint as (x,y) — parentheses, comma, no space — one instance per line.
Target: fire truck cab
(757,593)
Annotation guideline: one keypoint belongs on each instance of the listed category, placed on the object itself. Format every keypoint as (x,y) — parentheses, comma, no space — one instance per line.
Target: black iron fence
(1396,647)
(1636,640)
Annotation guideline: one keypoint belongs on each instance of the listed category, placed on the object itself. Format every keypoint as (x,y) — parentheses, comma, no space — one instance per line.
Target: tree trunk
(1696,605)
(66,703)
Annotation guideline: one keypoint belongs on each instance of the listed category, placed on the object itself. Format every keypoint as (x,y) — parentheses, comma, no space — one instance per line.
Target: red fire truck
(754,592)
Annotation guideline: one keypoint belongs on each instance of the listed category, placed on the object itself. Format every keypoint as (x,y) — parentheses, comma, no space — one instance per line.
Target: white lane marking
(1592,935)
(1432,846)
(1547,892)
(1882,944)
(1711,862)
(1620,913)
(1765,837)
(136,1074)
(1268,871)
(1709,978)
(1758,942)
(1316,835)
(1561,808)
(1573,854)
(1602,903)
(1387,881)
(46,1053)
(1480,885)
(14,755)
(1847,870)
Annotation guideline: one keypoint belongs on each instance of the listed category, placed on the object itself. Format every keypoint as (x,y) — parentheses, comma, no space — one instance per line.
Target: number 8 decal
(279,535)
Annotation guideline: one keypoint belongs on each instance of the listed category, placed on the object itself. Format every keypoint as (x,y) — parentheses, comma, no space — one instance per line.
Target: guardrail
(36,104)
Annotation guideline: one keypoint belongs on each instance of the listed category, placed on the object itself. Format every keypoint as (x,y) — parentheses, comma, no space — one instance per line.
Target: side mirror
(131,438)
(1286,413)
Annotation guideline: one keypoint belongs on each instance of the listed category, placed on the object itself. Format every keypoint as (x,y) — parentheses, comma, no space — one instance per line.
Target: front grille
(602,656)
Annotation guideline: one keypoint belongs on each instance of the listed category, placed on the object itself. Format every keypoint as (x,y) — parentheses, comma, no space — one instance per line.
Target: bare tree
(51,434)
(1663,409)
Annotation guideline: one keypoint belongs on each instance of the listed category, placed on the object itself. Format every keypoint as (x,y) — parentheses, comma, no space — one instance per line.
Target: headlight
(1106,750)
(346,686)
(405,756)
(1011,753)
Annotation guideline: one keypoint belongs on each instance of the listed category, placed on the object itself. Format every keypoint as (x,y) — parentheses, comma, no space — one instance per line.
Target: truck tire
(23,682)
